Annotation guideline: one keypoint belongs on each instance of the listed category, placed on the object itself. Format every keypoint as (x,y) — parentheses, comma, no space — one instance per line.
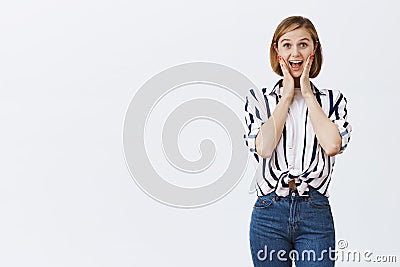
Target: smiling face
(295,47)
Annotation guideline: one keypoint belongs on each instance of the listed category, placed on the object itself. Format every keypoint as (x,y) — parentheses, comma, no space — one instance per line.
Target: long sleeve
(338,115)
(256,113)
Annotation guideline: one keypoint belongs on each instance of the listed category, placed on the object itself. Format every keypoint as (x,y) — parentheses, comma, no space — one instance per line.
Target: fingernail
(312,56)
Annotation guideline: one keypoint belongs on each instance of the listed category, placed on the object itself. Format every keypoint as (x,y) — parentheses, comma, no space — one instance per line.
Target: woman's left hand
(305,78)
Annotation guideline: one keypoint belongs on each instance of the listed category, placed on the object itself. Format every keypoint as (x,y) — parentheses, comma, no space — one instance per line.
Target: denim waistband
(294,194)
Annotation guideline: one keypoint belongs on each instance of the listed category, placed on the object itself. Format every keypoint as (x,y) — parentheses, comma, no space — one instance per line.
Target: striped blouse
(298,155)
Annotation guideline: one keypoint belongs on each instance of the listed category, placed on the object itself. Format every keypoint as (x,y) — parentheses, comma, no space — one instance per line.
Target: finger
(307,67)
(284,67)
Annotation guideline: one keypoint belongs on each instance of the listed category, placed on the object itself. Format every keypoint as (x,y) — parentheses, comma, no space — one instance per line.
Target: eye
(286,45)
(303,45)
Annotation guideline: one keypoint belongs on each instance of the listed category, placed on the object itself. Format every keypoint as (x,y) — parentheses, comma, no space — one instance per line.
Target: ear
(316,46)
(276,48)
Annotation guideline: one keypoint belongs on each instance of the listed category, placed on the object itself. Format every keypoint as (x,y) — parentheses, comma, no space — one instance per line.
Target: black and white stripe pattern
(314,166)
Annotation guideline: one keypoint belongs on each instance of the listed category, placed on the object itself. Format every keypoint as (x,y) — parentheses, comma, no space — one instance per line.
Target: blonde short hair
(290,24)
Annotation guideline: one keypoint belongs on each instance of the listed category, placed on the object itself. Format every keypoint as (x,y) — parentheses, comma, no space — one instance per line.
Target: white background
(68,72)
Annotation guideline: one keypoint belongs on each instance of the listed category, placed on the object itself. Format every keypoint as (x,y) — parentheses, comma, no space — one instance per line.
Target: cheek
(309,51)
(283,53)
(285,56)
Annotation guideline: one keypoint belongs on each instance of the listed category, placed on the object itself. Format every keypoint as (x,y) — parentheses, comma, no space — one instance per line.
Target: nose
(295,51)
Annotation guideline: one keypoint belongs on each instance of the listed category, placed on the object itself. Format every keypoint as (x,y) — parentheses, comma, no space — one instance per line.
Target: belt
(293,188)
(292,184)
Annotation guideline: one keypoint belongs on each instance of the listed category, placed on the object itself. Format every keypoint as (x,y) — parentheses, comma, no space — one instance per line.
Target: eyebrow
(302,39)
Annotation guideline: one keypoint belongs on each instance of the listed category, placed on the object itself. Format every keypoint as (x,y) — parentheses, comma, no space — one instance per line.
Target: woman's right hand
(288,81)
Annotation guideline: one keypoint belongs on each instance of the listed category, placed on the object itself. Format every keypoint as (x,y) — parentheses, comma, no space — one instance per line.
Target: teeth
(295,61)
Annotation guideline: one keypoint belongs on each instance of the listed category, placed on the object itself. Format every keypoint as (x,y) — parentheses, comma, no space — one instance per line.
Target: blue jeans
(292,227)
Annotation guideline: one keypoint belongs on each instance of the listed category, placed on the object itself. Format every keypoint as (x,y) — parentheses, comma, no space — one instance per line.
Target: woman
(294,132)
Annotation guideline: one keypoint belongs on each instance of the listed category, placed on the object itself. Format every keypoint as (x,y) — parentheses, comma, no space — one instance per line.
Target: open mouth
(295,64)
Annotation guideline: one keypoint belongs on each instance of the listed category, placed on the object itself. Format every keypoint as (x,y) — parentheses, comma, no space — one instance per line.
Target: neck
(297,82)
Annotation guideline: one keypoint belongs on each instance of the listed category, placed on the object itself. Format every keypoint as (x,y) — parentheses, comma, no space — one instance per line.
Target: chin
(296,74)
